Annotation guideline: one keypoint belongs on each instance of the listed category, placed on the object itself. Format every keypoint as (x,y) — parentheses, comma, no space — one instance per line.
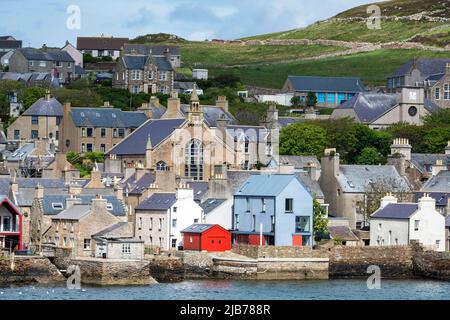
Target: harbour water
(243,290)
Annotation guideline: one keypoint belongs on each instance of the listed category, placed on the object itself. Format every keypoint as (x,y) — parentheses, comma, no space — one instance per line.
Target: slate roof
(310,185)
(265,185)
(49,55)
(158,202)
(76,212)
(343,233)
(100,43)
(46,183)
(396,211)
(326,84)
(200,189)
(299,162)
(423,160)
(162,64)
(138,62)
(211,114)
(139,186)
(157,130)
(285,121)
(10,44)
(21,153)
(25,77)
(251,133)
(48,201)
(211,204)
(155,50)
(438,183)
(45,107)
(427,66)
(107,118)
(441,198)
(198,228)
(356,178)
(114,231)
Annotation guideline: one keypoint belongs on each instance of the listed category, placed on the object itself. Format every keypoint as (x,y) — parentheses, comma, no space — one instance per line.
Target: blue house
(330,91)
(279,205)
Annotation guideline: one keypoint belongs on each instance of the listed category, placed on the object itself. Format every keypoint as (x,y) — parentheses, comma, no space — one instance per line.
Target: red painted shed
(10,225)
(206,237)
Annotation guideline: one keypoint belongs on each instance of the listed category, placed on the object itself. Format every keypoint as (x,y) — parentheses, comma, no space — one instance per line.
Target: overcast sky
(45,21)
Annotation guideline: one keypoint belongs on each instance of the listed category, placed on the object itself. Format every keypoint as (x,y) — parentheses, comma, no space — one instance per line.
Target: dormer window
(57,206)
(109,207)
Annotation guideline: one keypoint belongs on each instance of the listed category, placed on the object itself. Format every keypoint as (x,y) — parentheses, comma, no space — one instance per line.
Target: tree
(303,139)
(368,156)
(436,139)
(320,222)
(295,101)
(30,95)
(311,99)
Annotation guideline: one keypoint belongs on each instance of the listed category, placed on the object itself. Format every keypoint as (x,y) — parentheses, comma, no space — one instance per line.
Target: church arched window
(193,160)
(161,166)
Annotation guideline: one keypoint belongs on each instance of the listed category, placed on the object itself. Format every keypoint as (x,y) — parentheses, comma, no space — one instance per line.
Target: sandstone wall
(278,252)
(432,264)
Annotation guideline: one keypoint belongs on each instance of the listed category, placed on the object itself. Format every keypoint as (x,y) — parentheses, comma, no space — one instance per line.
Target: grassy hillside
(391,30)
(372,67)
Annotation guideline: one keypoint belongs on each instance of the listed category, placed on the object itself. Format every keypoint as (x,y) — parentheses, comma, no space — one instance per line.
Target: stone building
(144,73)
(191,140)
(96,129)
(348,187)
(171,53)
(42,120)
(381,110)
(102,46)
(74,227)
(438,88)
(46,60)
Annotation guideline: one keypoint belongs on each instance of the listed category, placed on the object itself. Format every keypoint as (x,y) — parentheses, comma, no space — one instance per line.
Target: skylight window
(57,206)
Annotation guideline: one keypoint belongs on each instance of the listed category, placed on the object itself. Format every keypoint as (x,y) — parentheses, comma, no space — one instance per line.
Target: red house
(206,237)
(10,225)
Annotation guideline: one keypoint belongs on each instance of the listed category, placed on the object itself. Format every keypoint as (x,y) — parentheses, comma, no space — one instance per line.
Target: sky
(52,22)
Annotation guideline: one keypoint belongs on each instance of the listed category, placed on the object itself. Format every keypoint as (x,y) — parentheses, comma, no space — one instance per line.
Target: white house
(218,211)
(161,218)
(200,74)
(76,55)
(399,223)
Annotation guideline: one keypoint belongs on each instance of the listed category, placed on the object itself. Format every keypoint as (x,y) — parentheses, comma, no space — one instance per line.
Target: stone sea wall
(28,270)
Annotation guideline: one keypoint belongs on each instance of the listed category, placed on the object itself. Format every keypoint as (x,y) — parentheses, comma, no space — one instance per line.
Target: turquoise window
(321,97)
(341,97)
(331,98)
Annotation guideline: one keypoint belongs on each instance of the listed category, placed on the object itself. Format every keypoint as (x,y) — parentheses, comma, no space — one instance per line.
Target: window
(446,91)
(341,97)
(135,75)
(90,132)
(6,224)
(34,120)
(135,89)
(289,205)
(83,147)
(57,135)
(42,64)
(161,166)
(195,220)
(302,224)
(246,165)
(115,133)
(31,63)
(87,244)
(272,224)
(162,76)
(321,97)
(16,134)
(89,147)
(236,222)
(140,223)
(247,204)
(103,132)
(57,206)
(34,134)
(103,148)
(263,205)
(254,223)
(126,248)
(83,132)
(379,227)
(160,224)
(58,64)
(437,93)
(174,223)
(438,242)
(64,241)
(246,147)
(151,224)
(191,239)
(194,160)
(331,98)
(175,209)
(174,243)
(121,133)
(416,225)
(150,75)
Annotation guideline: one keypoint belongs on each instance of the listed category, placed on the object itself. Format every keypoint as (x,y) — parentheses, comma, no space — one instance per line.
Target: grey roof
(48,201)
(135,62)
(198,228)
(76,212)
(4,185)
(117,230)
(342,232)
(326,84)
(438,183)
(46,183)
(107,118)
(49,55)
(211,114)
(200,189)
(158,202)
(155,50)
(423,161)
(265,185)
(162,64)
(396,211)
(357,178)
(21,153)
(183,85)
(157,130)
(10,44)
(211,204)
(369,106)
(100,43)
(285,121)
(427,66)
(441,198)
(299,162)
(139,186)
(45,107)
(25,77)
(311,185)
(251,133)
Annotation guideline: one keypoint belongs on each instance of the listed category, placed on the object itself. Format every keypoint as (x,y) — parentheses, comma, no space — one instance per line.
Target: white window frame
(447,91)
(135,75)
(437,93)
(87,241)
(126,248)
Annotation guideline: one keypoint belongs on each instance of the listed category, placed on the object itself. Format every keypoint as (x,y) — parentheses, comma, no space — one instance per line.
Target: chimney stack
(99,204)
(401,146)
(39,191)
(222,103)
(173,106)
(71,201)
(388,199)
(427,203)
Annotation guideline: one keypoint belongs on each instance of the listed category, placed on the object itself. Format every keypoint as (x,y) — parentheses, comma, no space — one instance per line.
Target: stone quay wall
(28,270)
(432,264)
(256,252)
